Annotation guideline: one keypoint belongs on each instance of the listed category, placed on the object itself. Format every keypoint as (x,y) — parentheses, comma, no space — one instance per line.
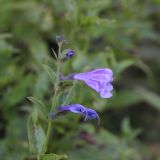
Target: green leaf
(124,98)
(39,137)
(52,156)
(39,104)
(36,134)
(63,54)
(87,21)
(42,85)
(17,93)
(36,101)
(31,137)
(39,50)
(113,148)
(69,96)
(146,70)
(66,95)
(124,64)
(50,72)
(127,131)
(150,97)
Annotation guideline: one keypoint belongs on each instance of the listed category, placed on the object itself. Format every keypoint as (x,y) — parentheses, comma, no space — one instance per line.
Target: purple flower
(77,108)
(91,114)
(98,79)
(70,54)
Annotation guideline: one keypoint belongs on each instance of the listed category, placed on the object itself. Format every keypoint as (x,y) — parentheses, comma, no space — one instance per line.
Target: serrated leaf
(52,156)
(50,72)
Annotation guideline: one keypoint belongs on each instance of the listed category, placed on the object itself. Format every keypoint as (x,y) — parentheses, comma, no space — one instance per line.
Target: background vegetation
(122,35)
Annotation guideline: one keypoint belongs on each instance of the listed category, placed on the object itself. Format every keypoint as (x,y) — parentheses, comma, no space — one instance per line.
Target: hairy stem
(49,128)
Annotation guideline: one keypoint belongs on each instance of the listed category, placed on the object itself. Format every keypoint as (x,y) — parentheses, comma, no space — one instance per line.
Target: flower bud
(70,54)
(60,39)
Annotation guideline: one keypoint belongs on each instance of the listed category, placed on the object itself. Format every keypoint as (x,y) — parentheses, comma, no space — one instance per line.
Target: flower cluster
(97,79)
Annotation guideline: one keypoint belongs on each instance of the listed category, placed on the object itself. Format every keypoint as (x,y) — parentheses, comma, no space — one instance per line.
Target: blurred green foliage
(122,35)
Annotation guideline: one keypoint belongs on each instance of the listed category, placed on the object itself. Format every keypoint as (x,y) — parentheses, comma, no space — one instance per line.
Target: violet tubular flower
(77,108)
(98,79)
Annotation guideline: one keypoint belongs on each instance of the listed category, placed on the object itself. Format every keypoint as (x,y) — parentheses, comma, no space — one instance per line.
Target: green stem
(44,149)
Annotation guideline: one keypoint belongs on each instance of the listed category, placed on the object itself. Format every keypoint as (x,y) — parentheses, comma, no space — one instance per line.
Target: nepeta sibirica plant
(97,79)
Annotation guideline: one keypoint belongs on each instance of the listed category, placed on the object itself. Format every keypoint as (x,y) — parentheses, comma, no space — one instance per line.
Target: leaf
(69,96)
(63,54)
(50,72)
(66,95)
(36,134)
(124,98)
(113,148)
(42,85)
(127,131)
(39,104)
(38,50)
(87,21)
(31,138)
(150,97)
(146,70)
(40,137)
(17,93)
(124,64)
(52,156)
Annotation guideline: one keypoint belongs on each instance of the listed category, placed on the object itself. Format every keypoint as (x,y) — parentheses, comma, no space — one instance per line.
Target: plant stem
(44,149)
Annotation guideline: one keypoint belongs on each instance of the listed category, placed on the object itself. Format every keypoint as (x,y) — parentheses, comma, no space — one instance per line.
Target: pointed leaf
(50,72)
(69,96)
(63,54)
(31,137)
(150,97)
(36,134)
(124,98)
(39,104)
(53,156)
(39,137)
(121,66)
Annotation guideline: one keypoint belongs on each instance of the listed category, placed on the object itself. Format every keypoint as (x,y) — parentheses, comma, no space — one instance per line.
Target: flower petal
(92,84)
(91,114)
(75,108)
(104,90)
(103,74)
(109,87)
(105,94)
(98,79)
(88,113)
(102,71)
